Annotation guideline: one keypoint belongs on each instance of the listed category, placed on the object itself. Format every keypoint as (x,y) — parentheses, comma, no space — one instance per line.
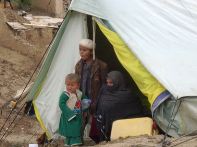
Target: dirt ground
(20,53)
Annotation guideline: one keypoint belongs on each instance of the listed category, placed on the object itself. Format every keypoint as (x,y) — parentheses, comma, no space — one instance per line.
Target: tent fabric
(149,86)
(161,34)
(160,99)
(184,120)
(46,92)
(90,7)
(47,62)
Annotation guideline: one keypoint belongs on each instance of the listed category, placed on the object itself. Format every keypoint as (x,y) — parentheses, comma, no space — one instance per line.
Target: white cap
(86,43)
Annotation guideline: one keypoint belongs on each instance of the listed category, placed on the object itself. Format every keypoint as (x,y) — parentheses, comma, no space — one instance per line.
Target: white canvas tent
(154,40)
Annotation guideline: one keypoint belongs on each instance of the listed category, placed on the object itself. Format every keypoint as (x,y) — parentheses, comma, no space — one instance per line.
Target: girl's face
(109,82)
(85,53)
(71,86)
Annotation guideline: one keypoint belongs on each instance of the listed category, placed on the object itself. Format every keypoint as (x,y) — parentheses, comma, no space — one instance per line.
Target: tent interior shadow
(104,51)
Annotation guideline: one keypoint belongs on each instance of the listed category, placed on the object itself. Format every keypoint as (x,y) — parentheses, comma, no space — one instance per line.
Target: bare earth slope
(20,52)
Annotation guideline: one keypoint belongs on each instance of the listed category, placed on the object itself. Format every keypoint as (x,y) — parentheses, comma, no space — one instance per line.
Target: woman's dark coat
(114,103)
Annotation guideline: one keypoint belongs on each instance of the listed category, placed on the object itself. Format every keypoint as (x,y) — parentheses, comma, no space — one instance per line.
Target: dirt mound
(31,42)
(20,52)
(11,15)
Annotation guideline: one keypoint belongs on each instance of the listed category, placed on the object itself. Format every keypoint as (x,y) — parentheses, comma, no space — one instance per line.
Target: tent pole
(94,36)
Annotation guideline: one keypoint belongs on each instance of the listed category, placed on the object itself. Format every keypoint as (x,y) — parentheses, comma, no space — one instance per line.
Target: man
(92,75)
(5,1)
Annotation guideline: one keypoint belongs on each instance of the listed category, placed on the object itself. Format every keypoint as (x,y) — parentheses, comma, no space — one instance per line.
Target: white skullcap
(86,43)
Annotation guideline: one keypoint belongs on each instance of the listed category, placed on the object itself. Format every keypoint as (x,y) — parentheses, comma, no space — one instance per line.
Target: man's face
(85,53)
(71,86)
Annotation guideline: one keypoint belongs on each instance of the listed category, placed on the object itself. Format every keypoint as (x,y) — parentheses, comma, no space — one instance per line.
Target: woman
(115,102)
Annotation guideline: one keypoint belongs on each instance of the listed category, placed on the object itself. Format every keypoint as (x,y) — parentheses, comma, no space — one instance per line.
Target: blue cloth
(77,111)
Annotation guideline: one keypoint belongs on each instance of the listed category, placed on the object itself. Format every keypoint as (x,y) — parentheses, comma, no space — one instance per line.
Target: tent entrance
(104,51)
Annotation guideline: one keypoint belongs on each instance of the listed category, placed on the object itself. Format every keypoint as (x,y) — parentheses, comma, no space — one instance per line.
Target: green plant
(24,4)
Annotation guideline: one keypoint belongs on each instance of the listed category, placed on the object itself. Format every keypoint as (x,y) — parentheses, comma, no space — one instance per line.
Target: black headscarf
(116,102)
(117,79)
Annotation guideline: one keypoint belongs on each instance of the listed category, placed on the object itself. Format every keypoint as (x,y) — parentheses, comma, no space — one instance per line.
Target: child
(72,106)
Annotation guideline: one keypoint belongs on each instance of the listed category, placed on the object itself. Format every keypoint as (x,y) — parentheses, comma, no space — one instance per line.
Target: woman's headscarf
(117,79)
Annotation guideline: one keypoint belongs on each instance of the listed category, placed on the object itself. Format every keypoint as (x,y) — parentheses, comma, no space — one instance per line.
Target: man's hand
(92,108)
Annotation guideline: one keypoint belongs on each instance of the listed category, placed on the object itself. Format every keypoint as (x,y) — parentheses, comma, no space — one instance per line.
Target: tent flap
(46,95)
(149,86)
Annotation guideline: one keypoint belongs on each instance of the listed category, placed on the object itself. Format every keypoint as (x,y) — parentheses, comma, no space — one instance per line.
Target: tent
(155,42)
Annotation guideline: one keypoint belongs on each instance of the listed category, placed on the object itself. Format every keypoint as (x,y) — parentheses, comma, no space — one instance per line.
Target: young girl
(72,104)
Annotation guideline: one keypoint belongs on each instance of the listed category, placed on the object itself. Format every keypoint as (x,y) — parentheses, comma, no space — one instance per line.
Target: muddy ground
(20,52)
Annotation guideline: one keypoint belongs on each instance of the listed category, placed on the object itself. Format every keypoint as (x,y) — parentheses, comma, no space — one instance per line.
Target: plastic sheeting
(59,62)
(162,35)
(184,116)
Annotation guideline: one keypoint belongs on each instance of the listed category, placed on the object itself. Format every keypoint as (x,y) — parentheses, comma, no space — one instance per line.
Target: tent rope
(195,131)
(12,122)
(35,133)
(173,115)
(10,132)
(20,97)
(28,140)
(184,141)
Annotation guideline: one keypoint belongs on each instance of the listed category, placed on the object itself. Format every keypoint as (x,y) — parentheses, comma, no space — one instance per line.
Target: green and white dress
(70,125)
